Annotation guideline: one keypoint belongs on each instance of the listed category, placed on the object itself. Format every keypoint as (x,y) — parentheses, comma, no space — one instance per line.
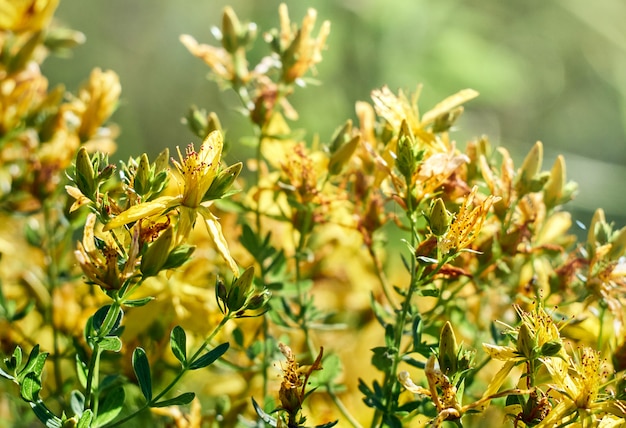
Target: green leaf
(264,416)
(81,371)
(383,357)
(107,320)
(180,400)
(77,402)
(85,419)
(110,407)
(30,387)
(45,415)
(31,383)
(30,363)
(138,302)
(111,343)
(327,425)
(141,366)
(178,343)
(16,358)
(210,357)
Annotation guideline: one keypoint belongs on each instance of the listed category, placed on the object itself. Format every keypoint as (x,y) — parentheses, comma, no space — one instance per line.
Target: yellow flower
(218,59)
(467,223)
(97,100)
(100,265)
(301,50)
(537,337)
(579,383)
(194,174)
(26,15)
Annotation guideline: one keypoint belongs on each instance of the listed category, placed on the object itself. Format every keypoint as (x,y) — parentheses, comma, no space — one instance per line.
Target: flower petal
(215,230)
(145,209)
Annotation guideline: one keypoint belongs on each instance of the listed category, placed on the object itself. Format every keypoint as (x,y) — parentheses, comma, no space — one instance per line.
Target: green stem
(304,233)
(93,374)
(380,273)
(390,384)
(342,408)
(52,272)
(178,376)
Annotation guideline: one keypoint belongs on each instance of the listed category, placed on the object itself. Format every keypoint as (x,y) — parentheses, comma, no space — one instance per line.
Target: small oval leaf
(141,366)
(178,343)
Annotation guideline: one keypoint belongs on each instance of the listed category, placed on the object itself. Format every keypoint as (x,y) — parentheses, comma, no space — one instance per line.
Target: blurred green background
(553,71)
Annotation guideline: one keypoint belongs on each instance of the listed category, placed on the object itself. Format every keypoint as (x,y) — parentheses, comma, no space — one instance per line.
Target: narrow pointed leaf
(138,302)
(180,400)
(45,415)
(210,357)
(178,343)
(141,366)
(264,416)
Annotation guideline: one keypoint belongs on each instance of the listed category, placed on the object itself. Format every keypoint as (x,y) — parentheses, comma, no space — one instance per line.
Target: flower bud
(618,244)
(530,169)
(554,187)
(61,40)
(197,121)
(179,255)
(222,182)
(141,183)
(598,233)
(526,342)
(157,253)
(342,155)
(447,350)
(439,219)
(240,291)
(406,161)
(213,124)
(551,348)
(85,180)
(445,121)
(162,161)
(231,29)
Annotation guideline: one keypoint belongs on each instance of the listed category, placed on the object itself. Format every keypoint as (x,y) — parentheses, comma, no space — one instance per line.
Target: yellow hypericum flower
(26,15)
(579,383)
(194,174)
(101,265)
(538,337)
(467,223)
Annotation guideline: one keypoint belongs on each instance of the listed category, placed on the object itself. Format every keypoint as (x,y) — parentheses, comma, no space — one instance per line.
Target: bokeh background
(553,71)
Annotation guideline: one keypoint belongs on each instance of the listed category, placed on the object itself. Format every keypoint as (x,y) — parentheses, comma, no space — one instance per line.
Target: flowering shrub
(380,276)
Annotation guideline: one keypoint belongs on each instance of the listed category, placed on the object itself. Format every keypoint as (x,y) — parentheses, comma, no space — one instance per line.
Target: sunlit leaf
(111,343)
(111,406)
(85,419)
